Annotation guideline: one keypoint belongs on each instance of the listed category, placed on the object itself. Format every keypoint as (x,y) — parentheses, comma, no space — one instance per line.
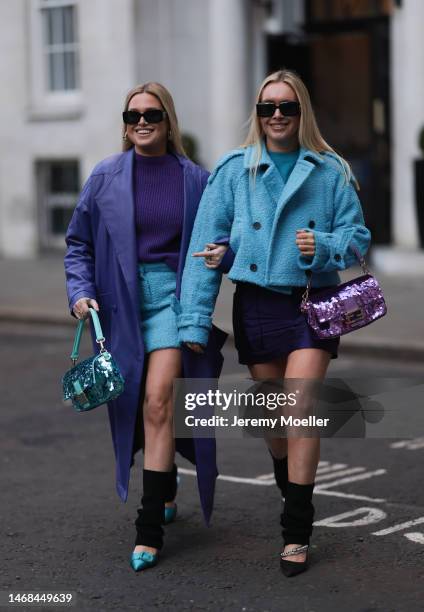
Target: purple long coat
(101,262)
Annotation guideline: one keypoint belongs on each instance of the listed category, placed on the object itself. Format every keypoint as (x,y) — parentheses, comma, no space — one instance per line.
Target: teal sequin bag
(95,380)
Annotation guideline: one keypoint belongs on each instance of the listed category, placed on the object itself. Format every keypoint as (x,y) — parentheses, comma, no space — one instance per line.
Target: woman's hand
(305,242)
(213,254)
(81,307)
(197,348)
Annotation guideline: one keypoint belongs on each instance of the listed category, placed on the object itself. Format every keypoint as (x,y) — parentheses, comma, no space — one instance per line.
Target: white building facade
(66,66)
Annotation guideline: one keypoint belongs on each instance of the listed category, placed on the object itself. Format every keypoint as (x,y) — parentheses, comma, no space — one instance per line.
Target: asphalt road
(63,527)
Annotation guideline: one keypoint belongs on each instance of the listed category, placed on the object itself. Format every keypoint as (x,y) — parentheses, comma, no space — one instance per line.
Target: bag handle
(308,273)
(98,331)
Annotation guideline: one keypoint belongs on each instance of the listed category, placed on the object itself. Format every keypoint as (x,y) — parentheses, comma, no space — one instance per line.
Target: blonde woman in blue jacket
(289,205)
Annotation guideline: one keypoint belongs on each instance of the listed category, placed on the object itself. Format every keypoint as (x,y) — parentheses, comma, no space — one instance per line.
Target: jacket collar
(280,192)
(265,159)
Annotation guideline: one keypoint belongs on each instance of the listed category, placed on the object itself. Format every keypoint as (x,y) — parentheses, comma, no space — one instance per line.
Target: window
(54,60)
(58,189)
(60,46)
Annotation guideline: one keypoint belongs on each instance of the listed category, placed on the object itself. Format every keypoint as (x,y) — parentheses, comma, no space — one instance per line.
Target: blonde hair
(160,92)
(309,136)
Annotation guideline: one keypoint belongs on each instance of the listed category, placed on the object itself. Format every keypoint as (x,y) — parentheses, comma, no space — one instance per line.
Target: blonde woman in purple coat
(127,243)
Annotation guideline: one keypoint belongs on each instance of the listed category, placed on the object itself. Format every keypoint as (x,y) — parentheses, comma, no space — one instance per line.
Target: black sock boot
(281,473)
(150,515)
(298,514)
(296,520)
(172,485)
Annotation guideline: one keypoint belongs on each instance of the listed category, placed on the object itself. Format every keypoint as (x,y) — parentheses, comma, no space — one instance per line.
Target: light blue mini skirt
(158,321)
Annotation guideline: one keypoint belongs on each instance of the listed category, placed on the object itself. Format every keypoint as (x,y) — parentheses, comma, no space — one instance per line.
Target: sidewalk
(33,291)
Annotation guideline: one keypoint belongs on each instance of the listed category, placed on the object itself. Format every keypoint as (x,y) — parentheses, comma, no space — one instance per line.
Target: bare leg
(159,448)
(303,453)
(267,371)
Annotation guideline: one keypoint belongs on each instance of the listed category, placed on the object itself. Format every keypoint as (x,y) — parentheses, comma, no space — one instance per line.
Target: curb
(371,349)
(376,350)
(384,351)
(35,318)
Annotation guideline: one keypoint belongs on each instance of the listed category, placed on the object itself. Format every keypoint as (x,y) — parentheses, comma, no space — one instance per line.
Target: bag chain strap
(362,263)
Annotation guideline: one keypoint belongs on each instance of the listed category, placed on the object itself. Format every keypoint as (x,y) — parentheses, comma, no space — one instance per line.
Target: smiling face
(281,133)
(148,138)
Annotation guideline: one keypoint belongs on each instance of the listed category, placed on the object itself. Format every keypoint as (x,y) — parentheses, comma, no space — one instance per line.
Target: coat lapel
(300,173)
(274,183)
(266,170)
(116,204)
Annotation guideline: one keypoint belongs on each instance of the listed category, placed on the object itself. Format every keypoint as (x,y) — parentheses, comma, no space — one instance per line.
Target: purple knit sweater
(159,208)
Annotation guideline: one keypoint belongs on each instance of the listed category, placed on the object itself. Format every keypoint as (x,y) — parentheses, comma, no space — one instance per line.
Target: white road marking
(415,537)
(322,467)
(371,515)
(374,500)
(267,480)
(327,471)
(413,444)
(341,481)
(330,467)
(254,481)
(400,526)
(320,477)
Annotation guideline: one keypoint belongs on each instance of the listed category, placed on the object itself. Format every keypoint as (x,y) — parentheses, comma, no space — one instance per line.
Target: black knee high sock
(150,515)
(172,485)
(298,514)
(281,473)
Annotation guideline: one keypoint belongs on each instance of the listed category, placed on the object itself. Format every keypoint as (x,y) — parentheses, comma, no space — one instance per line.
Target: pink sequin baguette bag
(340,310)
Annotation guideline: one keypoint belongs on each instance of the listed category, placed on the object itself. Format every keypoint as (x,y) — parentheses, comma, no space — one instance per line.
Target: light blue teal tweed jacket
(261,220)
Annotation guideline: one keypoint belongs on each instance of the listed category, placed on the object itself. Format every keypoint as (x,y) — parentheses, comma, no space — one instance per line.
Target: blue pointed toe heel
(170,514)
(143,560)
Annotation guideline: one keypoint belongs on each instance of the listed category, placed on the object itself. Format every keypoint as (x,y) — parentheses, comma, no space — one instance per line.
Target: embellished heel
(292,568)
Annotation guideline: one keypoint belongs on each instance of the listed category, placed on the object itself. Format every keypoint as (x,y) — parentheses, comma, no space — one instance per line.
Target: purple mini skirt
(268,324)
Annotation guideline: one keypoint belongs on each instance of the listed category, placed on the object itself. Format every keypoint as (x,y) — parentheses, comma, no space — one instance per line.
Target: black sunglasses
(154,115)
(267,109)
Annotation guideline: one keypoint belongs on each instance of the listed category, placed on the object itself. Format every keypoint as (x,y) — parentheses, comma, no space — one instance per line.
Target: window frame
(48,200)
(44,103)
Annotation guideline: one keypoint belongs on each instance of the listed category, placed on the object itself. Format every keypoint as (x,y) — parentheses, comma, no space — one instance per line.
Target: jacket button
(337,257)
(311,224)
(253,267)
(257,225)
